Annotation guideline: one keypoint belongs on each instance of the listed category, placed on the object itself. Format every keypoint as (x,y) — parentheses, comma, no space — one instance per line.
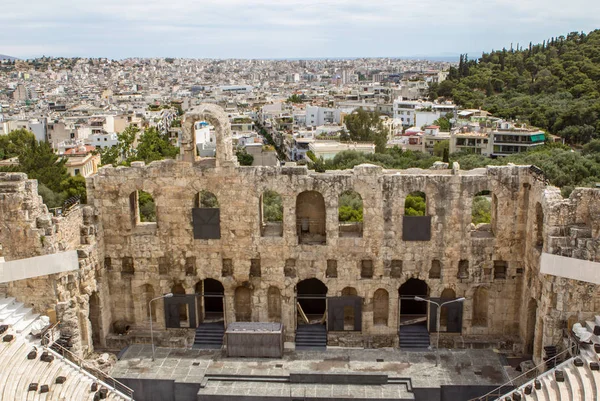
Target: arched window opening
(274,304)
(310,218)
(147,295)
(381,307)
(447,295)
(271,213)
(206,199)
(243,304)
(416,223)
(480,307)
(350,214)
(415,204)
(539,225)
(206,216)
(147,207)
(143,208)
(481,214)
(184,313)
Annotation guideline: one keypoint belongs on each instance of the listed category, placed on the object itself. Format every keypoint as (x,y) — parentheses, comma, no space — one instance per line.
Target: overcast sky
(283,28)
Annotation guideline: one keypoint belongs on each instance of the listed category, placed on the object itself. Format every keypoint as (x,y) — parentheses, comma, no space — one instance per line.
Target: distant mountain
(5,57)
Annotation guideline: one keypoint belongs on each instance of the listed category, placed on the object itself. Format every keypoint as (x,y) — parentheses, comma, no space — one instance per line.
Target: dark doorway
(311,294)
(531,318)
(411,310)
(95,319)
(211,298)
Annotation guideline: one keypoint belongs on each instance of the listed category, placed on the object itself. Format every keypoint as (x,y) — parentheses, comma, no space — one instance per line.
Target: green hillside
(554,85)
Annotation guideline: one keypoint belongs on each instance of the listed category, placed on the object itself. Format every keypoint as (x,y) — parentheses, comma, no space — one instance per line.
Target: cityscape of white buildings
(79,105)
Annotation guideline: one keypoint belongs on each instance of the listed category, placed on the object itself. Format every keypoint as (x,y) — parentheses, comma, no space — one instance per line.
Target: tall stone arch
(214,115)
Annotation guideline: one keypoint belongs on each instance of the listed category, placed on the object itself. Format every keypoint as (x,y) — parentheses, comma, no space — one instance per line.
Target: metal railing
(79,364)
(520,380)
(68,206)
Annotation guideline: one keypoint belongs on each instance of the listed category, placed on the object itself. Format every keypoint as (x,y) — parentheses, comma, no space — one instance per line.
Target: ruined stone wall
(124,263)
(571,227)
(27,230)
(170,241)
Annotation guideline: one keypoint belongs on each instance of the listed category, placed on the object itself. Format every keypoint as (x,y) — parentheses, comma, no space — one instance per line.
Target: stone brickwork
(27,229)
(463,257)
(174,185)
(125,263)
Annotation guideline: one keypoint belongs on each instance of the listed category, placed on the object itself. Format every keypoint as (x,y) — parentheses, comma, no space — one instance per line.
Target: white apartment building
(405,111)
(103,140)
(206,141)
(37,126)
(316,116)
(509,139)
(418,113)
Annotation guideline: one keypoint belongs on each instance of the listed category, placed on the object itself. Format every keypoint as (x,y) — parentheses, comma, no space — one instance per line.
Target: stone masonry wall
(124,263)
(449,200)
(27,230)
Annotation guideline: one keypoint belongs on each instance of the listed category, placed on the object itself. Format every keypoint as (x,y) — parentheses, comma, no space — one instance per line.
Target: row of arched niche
(311,212)
(212,303)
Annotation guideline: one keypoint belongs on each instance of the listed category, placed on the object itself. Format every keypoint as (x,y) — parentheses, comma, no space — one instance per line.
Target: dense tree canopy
(147,207)
(554,85)
(367,126)
(38,161)
(244,158)
(272,206)
(415,204)
(350,207)
(482,210)
(152,145)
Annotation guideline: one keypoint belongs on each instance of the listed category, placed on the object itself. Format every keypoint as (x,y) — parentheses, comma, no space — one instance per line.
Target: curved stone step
(10,309)
(576,385)
(24,326)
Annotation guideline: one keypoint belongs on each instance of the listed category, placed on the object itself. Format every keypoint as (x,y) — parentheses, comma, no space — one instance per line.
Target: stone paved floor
(457,367)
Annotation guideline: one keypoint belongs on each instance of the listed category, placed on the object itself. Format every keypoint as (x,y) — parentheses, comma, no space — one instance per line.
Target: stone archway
(381,307)
(311,218)
(447,295)
(216,116)
(349,312)
(410,309)
(211,300)
(243,304)
(312,298)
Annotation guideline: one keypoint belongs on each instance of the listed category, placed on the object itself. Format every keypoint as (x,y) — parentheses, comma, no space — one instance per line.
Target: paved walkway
(457,367)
